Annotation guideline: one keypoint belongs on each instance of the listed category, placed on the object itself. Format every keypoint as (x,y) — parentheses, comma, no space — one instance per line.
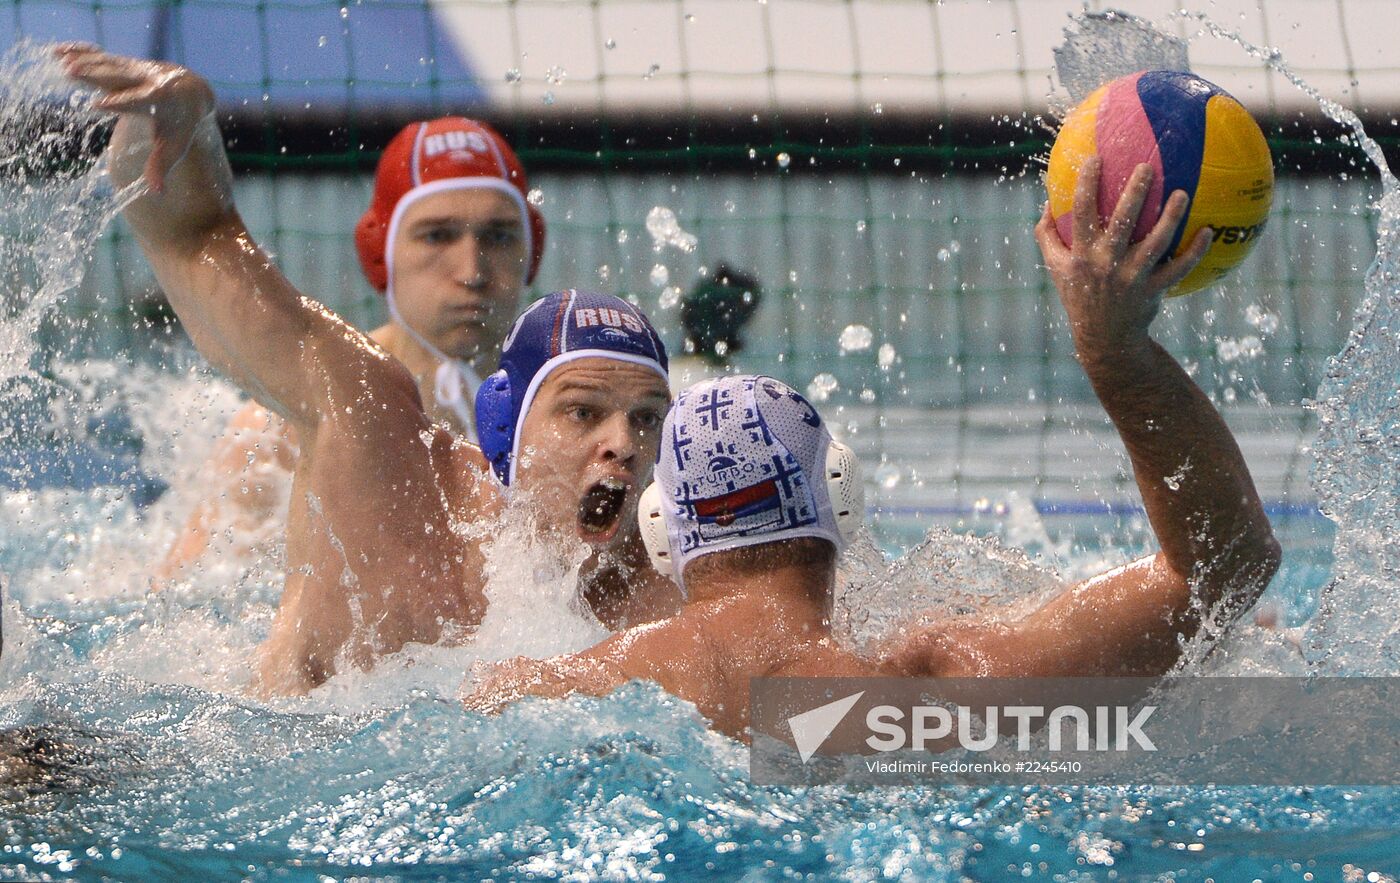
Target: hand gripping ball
(1196,137)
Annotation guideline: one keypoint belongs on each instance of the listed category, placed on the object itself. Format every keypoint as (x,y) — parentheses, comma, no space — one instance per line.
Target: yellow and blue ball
(1196,137)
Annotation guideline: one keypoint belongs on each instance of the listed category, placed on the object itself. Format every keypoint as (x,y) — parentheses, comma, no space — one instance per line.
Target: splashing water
(1357,460)
(55,198)
(1102,46)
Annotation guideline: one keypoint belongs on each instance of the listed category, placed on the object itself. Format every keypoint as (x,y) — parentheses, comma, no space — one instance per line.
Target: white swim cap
(746,460)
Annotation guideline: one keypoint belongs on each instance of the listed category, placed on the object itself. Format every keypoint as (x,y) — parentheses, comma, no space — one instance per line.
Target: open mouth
(601,506)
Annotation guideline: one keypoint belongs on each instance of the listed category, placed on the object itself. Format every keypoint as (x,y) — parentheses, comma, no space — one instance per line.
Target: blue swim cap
(747,460)
(553,331)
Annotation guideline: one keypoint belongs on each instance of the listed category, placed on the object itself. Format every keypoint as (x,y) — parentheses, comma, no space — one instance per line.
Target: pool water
(164,768)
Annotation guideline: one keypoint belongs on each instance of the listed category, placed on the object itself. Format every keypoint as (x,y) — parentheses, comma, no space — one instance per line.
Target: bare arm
(672,652)
(374,560)
(1218,551)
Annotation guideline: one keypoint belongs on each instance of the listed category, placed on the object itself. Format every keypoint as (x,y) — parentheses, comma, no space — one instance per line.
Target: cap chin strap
(454,383)
(454,387)
(845,488)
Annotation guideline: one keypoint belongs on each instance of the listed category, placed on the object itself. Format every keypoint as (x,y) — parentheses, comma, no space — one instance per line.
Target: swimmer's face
(459,268)
(588,446)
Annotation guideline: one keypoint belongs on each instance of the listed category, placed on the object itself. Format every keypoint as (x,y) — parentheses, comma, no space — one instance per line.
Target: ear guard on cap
(844,487)
(495,423)
(651,521)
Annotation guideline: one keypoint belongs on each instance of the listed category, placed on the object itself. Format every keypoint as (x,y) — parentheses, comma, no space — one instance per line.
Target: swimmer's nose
(471,265)
(617,442)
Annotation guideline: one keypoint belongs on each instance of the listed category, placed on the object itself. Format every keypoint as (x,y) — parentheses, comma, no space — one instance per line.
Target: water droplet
(610,44)
(860,226)
(604,272)
(730,206)
(555,75)
(344,13)
(784,160)
(753,154)
(670,295)
(513,75)
(1260,318)
(944,254)
(548,98)
(659,275)
(867,395)
(1246,348)
(622,237)
(877,108)
(721,346)
(321,41)
(665,230)
(885,356)
(535,197)
(887,475)
(690,19)
(651,71)
(822,386)
(855,338)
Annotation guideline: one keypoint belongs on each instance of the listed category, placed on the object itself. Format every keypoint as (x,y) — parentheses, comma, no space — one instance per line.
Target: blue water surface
(157,780)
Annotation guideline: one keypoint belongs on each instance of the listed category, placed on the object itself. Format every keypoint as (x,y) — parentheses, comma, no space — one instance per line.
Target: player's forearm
(249,321)
(1195,484)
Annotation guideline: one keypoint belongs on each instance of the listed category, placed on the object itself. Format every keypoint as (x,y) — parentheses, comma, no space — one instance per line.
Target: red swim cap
(442,154)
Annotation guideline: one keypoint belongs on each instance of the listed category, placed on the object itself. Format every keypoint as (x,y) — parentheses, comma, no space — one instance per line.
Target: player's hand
(1112,288)
(173,98)
(491,687)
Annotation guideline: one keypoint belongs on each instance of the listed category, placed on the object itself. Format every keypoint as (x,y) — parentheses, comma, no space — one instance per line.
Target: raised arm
(1218,551)
(288,351)
(374,556)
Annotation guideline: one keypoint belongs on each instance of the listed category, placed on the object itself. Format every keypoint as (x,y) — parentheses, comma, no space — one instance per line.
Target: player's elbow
(1267,555)
(1256,558)
(1242,572)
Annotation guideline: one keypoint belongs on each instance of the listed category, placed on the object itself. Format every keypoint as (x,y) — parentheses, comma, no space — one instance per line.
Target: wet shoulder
(465,474)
